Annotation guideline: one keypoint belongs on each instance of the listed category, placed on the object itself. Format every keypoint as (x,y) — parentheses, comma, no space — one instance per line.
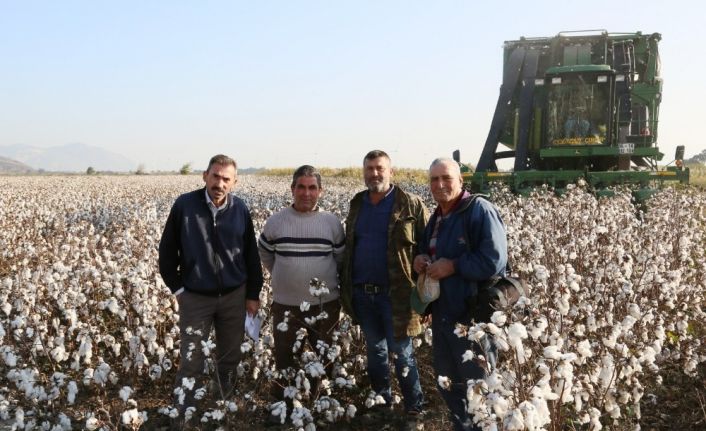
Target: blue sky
(283,83)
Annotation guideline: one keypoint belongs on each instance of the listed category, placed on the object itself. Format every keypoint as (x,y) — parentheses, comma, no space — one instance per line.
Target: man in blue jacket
(208,258)
(464,243)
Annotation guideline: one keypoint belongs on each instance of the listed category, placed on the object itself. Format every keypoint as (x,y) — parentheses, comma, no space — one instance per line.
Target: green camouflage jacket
(406,227)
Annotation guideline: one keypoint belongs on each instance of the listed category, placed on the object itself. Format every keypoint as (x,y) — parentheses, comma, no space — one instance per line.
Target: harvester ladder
(529,73)
(522,61)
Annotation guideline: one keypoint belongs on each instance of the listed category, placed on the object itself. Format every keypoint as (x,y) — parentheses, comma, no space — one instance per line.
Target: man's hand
(251,306)
(442,268)
(421,262)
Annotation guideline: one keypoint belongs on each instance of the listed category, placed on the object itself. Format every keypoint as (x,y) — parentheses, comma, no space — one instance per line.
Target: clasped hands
(437,270)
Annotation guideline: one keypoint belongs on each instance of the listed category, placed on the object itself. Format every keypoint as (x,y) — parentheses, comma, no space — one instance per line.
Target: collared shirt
(214,209)
(439,219)
(370,253)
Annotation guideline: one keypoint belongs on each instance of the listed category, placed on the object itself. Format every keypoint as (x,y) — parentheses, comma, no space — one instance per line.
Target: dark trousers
(284,340)
(197,315)
(448,350)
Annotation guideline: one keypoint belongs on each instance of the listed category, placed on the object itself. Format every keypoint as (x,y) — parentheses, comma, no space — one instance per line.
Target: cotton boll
(19,418)
(92,424)
(200,393)
(579,330)
(71,391)
(531,417)
(628,322)
(515,334)
(125,393)
(155,372)
(9,357)
(551,352)
(189,413)
(499,404)
(538,327)
(468,355)
(495,382)
(498,318)
(188,383)
(476,396)
(501,343)
(492,329)
(87,376)
(634,311)
(207,346)
(584,349)
(131,418)
(606,373)
(611,406)
(514,421)
(64,422)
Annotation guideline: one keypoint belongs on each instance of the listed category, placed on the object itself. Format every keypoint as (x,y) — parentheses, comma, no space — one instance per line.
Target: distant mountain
(68,158)
(9,166)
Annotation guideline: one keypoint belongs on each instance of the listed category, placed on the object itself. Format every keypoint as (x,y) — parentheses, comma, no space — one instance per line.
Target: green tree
(90,171)
(185,169)
(699,158)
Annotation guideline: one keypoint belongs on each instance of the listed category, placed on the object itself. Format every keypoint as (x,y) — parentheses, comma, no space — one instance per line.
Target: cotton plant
(615,293)
(310,388)
(595,324)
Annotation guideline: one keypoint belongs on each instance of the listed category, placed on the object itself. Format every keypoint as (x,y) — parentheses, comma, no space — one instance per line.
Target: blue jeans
(374,312)
(448,350)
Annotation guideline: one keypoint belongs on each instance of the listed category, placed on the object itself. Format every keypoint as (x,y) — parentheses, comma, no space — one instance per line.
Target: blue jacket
(485,257)
(206,255)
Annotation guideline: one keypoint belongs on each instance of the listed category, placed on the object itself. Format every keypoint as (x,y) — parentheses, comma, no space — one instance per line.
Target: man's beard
(378,187)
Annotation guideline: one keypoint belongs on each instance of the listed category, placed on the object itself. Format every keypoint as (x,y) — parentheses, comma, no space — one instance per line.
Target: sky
(285,83)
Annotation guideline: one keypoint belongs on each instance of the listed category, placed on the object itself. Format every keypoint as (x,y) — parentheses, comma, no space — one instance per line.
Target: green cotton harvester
(578,105)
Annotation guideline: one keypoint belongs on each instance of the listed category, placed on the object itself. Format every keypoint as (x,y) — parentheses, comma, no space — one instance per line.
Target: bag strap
(508,266)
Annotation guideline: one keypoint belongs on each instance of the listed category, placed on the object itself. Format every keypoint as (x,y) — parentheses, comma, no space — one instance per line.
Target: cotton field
(89,336)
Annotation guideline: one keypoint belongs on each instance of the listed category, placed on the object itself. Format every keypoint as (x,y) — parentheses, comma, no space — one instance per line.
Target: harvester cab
(578,105)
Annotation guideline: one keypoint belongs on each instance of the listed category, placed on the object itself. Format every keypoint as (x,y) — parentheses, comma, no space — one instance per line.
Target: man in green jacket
(383,227)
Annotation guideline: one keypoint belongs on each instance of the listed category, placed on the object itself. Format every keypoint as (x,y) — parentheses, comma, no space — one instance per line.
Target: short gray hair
(446,161)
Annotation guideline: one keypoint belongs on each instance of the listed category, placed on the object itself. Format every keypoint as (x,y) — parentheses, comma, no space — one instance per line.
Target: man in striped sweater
(298,244)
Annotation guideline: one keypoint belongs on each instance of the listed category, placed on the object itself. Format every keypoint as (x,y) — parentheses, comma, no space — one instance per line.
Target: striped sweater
(296,247)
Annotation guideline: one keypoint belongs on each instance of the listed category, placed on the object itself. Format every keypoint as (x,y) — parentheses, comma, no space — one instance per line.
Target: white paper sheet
(252,326)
